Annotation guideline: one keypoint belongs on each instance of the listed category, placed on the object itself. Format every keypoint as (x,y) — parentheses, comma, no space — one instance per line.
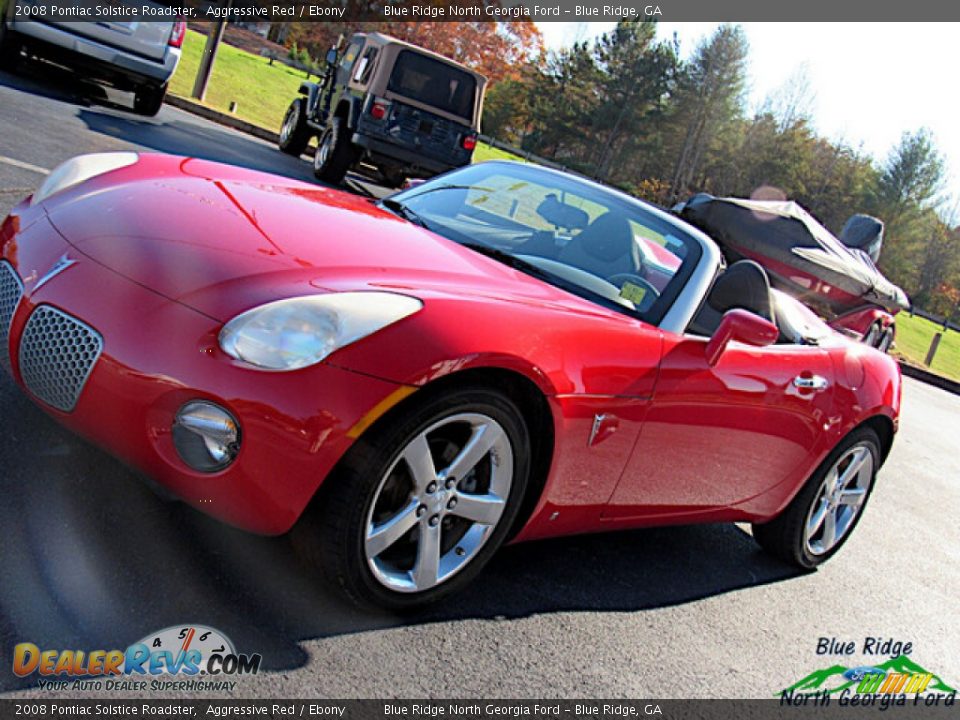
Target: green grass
(488,152)
(913,340)
(262,91)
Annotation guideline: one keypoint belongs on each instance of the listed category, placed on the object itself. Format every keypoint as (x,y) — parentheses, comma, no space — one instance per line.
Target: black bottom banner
(814,707)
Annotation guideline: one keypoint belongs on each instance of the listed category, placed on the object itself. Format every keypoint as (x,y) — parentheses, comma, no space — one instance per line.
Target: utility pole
(210,52)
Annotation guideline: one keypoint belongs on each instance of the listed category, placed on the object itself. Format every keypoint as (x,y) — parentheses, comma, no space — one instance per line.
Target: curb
(220,118)
(918,373)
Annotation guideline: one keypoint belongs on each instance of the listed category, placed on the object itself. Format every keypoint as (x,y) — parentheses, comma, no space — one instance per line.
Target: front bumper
(98,59)
(158,355)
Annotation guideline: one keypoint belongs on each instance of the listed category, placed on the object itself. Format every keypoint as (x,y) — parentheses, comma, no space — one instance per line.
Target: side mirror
(332,56)
(742,326)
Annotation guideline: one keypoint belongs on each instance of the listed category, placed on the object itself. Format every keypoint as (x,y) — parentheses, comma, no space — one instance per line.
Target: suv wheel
(9,48)
(334,154)
(294,133)
(148,99)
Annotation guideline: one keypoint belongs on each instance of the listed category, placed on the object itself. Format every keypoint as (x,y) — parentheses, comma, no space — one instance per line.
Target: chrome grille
(57,353)
(11,290)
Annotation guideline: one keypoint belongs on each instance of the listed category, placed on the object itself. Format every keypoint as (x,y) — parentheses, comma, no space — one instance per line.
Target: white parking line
(23,166)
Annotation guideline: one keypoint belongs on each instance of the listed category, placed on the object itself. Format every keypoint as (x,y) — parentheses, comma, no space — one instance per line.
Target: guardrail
(938,319)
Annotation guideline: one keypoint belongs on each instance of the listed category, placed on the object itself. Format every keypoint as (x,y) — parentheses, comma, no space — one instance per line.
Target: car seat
(743,285)
(604,248)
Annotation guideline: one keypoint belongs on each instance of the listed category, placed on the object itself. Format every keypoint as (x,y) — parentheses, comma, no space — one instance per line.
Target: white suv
(135,56)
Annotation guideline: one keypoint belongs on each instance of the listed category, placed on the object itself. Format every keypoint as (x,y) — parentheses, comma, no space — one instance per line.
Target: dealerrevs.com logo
(171,659)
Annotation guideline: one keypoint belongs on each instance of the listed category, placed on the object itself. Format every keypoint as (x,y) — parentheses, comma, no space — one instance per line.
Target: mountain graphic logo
(837,678)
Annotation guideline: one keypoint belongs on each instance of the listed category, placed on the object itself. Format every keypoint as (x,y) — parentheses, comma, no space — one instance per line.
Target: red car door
(716,436)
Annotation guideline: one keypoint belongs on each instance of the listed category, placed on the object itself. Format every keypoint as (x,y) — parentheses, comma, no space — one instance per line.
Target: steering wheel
(650,295)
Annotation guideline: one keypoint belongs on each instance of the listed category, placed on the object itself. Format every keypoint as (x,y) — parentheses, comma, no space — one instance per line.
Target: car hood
(222,240)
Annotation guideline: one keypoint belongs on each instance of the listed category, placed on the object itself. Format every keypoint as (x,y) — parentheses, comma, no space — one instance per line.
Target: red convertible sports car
(503,353)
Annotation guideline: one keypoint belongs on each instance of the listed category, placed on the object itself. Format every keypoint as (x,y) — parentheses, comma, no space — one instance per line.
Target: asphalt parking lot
(91,558)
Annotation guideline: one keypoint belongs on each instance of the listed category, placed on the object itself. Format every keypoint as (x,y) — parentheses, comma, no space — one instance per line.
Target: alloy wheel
(839,500)
(439,502)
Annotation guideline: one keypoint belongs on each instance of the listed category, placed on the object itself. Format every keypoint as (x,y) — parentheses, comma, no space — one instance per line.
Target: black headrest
(743,285)
(607,238)
(864,232)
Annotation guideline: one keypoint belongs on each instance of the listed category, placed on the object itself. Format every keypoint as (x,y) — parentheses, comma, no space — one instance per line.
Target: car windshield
(433,83)
(587,239)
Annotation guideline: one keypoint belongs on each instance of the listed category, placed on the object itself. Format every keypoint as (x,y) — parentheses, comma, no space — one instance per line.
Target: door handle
(810,382)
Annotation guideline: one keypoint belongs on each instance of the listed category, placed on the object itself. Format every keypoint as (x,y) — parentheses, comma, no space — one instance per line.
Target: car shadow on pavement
(90,558)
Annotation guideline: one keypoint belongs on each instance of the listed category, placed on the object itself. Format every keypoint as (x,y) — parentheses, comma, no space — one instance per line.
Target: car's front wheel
(295,133)
(825,512)
(422,502)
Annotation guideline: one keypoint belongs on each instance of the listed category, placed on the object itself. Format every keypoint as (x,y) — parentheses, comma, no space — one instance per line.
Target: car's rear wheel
(873,334)
(886,339)
(148,99)
(295,133)
(334,154)
(10,47)
(824,514)
(421,503)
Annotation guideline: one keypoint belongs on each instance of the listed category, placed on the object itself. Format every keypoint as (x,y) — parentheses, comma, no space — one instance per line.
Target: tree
(906,198)
(497,50)
(709,99)
(636,74)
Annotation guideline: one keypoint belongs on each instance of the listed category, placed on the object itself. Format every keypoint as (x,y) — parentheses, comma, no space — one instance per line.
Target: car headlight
(80,168)
(301,331)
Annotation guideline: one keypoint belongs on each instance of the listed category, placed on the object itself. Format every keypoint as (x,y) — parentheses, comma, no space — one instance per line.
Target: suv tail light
(469,141)
(378,111)
(177,34)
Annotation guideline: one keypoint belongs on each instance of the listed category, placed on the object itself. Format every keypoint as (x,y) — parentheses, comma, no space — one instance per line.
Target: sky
(871,81)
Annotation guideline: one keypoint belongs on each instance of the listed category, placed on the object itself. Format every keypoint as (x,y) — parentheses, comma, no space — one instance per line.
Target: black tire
(295,136)
(873,335)
(783,536)
(332,534)
(148,99)
(10,47)
(330,164)
(886,339)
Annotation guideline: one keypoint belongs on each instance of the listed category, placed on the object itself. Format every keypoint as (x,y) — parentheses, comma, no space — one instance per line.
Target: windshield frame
(684,294)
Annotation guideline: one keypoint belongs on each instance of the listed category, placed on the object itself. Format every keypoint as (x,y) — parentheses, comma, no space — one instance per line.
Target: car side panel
(717,436)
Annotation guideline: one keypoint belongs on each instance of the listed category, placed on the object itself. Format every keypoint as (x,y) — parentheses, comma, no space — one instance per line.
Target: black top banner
(481,10)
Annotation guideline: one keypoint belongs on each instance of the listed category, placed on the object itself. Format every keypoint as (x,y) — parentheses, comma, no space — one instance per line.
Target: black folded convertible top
(801,256)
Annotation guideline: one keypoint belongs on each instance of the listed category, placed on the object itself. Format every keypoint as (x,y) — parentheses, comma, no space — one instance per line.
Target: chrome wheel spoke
(853,497)
(816,520)
(482,440)
(420,461)
(856,465)
(483,509)
(426,571)
(382,536)
(829,530)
